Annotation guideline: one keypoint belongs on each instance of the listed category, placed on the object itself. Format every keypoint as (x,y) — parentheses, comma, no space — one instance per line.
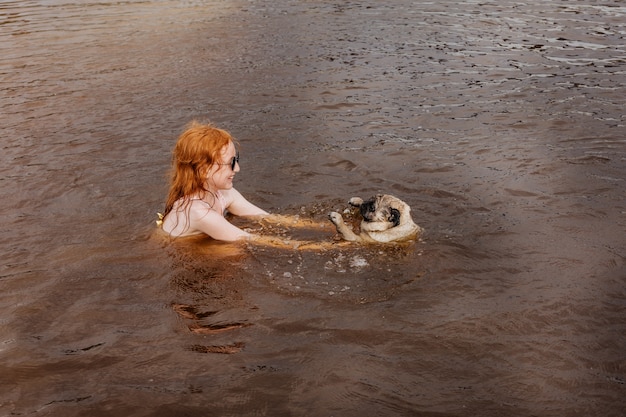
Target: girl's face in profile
(221,174)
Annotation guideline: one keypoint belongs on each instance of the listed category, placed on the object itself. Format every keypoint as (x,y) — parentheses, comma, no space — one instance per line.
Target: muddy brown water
(500,123)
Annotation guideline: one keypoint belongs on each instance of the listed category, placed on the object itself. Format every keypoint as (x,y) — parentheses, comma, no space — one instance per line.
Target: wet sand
(500,123)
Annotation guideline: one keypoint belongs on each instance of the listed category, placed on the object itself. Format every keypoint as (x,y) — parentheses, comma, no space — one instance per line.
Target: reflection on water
(500,123)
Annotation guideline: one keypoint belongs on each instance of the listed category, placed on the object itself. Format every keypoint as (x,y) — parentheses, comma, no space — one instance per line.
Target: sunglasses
(234,161)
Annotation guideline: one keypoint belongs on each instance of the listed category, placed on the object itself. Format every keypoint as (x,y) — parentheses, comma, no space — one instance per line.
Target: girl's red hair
(197,149)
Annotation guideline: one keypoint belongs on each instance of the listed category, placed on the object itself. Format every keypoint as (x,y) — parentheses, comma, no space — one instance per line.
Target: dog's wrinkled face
(381,212)
(378,210)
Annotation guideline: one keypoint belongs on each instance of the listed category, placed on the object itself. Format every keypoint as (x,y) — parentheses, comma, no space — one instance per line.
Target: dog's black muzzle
(367,209)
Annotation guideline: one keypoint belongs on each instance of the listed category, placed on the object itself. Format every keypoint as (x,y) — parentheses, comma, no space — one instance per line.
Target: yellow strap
(159,222)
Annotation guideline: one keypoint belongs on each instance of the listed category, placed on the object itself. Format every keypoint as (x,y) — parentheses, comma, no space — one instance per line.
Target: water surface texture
(500,122)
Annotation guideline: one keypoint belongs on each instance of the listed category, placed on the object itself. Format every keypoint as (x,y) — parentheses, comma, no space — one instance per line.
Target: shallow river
(501,123)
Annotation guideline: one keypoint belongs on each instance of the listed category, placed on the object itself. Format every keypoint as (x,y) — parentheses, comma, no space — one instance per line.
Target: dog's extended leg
(342,227)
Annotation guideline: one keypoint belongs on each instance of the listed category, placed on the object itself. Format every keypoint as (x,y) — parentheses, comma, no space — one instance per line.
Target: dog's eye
(394,216)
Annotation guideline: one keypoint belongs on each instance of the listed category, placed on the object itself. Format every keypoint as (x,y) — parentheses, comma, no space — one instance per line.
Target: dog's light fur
(385,219)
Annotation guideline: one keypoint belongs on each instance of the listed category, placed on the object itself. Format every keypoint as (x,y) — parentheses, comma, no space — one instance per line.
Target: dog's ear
(394,216)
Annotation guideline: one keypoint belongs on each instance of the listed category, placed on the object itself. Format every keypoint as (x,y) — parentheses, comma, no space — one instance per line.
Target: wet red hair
(197,149)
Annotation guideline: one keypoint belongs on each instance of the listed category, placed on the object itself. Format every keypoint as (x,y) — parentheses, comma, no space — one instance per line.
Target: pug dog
(385,219)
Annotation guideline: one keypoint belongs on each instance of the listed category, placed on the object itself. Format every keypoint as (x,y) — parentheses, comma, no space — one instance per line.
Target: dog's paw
(356,201)
(335,217)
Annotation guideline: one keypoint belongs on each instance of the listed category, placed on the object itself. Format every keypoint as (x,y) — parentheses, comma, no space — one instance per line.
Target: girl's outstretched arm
(287,220)
(282,243)
(239,206)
